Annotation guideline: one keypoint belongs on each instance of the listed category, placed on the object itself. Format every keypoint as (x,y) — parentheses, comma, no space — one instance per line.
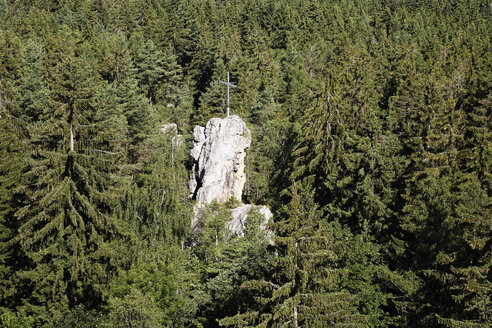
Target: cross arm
(229,84)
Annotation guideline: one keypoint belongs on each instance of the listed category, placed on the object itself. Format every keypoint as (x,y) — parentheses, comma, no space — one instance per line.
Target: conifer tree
(9,57)
(264,108)
(172,77)
(241,259)
(114,61)
(12,147)
(67,222)
(174,93)
(305,290)
(149,69)
(32,90)
(140,117)
(380,109)
(295,84)
(183,29)
(213,101)
(264,160)
(158,205)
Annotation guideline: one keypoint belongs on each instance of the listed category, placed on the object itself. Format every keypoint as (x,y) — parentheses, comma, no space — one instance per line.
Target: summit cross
(228,85)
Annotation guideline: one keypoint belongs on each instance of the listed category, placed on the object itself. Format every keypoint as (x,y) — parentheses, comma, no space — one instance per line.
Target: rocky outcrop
(172,130)
(239,215)
(169,127)
(218,152)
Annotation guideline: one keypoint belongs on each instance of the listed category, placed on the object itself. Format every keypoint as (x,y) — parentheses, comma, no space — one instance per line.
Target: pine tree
(140,117)
(67,223)
(306,289)
(213,100)
(32,90)
(12,147)
(149,70)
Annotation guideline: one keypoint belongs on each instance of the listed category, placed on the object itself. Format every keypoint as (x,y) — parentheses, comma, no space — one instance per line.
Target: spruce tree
(174,93)
(149,69)
(172,77)
(12,148)
(295,84)
(140,117)
(306,289)
(67,222)
(213,100)
(31,89)
(241,259)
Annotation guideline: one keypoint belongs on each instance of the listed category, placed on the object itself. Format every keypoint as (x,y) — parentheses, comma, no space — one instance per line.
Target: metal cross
(228,85)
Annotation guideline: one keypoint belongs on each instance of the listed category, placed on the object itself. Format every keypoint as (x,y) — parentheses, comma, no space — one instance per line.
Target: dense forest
(372,146)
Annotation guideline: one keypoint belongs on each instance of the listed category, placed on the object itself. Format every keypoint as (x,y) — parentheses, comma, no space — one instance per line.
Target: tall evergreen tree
(213,100)
(13,143)
(32,90)
(381,109)
(174,93)
(140,117)
(149,69)
(306,289)
(67,223)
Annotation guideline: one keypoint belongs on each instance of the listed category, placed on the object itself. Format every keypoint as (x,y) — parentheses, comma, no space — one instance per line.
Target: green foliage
(269,161)
(371,144)
(213,101)
(12,143)
(11,320)
(307,288)
(79,317)
(211,231)
(32,88)
(66,223)
(149,69)
(144,295)
(135,309)
(230,261)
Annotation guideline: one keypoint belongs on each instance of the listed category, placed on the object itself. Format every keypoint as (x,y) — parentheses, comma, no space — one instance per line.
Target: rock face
(218,153)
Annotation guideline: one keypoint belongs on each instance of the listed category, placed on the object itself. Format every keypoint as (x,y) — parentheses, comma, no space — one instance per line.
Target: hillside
(370,143)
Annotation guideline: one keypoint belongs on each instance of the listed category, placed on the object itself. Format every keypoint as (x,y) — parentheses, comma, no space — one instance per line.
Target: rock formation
(219,151)
(172,130)
(240,214)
